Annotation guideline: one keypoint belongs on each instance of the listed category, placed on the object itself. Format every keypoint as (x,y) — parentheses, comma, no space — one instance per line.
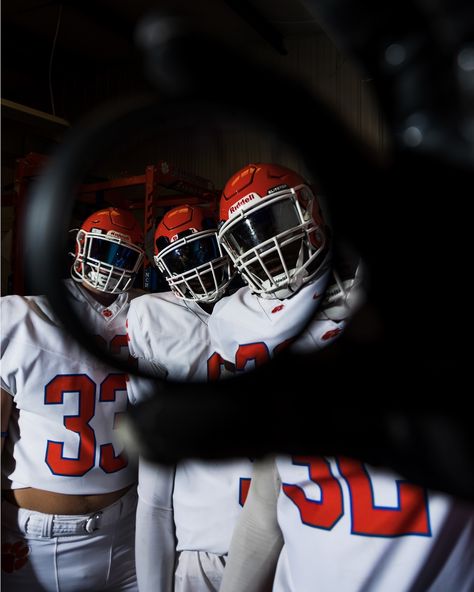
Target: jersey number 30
(84,388)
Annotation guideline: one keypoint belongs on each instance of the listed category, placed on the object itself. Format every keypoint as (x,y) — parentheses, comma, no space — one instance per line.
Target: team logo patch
(331,334)
(14,556)
(278,308)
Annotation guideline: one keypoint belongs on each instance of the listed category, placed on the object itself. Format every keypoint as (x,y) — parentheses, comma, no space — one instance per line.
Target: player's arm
(257,539)
(7,402)
(344,296)
(155,543)
(140,388)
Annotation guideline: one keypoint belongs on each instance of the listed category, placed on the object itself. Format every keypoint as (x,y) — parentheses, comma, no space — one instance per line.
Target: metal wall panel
(217,153)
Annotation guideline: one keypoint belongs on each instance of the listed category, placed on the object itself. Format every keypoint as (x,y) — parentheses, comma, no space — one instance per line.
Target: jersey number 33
(84,388)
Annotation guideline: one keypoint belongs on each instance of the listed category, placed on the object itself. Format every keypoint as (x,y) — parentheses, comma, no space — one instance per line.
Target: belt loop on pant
(47,526)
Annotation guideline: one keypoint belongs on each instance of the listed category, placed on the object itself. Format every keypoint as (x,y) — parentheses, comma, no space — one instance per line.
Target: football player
(311,522)
(185,516)
(273,229)
(69,492)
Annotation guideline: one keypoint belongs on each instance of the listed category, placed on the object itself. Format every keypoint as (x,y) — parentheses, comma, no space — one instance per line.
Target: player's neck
(207,306)
(103,298)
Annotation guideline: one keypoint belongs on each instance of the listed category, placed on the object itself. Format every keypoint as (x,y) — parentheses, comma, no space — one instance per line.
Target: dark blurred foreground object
(338,402)
(391,390)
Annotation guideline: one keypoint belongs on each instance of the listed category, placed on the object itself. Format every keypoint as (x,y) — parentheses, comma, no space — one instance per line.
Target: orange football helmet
(272,228)
(109,251)
(189,256)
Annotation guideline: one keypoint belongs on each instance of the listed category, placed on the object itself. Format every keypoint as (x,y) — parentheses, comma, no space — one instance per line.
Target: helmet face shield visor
(195,267)
(192,254)
(261,225)
(106,263)
(114,254)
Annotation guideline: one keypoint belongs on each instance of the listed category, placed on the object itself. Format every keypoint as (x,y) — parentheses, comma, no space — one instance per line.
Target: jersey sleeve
(142,388)
(13,311)
(137,346)
(8,371)
(28,325)
(147,332)
(343,297)
(257,539)
(320,333)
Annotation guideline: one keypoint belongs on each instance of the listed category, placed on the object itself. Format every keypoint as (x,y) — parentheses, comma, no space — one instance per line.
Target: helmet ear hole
(162,242)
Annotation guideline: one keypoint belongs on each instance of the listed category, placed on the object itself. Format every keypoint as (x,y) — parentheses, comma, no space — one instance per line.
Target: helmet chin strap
(285,291)
(296,282)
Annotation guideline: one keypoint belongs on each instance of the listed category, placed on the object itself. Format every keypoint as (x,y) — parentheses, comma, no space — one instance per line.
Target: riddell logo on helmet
(119,235)
(243,202)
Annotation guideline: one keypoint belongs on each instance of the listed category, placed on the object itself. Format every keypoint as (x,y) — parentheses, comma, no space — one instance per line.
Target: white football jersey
(248,331)
(172,334)
(346,526)
(351,527)
(207,499)
(67,402)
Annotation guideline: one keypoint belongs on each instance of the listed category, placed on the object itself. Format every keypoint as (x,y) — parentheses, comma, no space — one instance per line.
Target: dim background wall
(217,152)
(214,153)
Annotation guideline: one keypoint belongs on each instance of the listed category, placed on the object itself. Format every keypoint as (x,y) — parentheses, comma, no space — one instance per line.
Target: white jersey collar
(108,313)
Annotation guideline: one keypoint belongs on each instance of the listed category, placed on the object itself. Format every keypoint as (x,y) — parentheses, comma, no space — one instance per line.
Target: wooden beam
(28,114)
